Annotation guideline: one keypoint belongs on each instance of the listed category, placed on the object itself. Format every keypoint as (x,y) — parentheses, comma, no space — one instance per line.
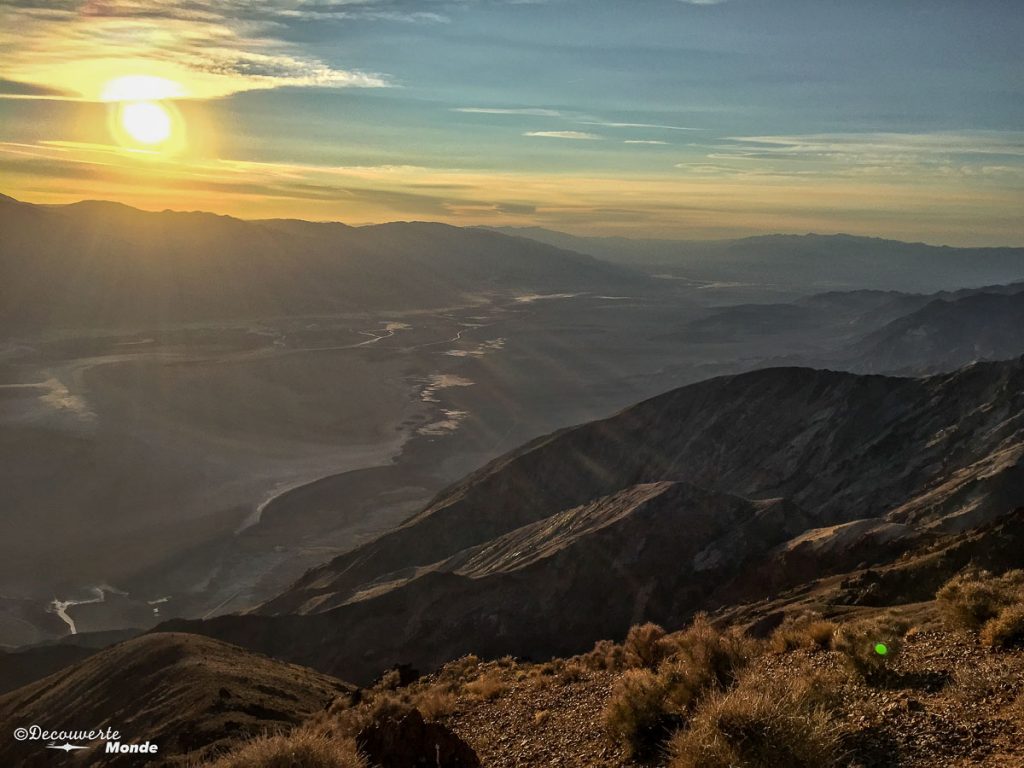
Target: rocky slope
(190,695)
(717,493)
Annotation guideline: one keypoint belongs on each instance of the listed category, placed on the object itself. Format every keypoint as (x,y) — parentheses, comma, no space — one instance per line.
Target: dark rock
(407,741)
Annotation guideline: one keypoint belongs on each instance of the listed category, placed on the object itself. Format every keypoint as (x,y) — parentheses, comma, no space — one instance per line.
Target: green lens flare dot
(881,649)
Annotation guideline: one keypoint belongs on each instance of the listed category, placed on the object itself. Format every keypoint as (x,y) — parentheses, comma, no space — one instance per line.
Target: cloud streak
(571,135)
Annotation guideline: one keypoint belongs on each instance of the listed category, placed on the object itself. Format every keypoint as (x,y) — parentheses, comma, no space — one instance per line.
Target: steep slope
(185,693)
(512,558)
(947,334)
(101,264)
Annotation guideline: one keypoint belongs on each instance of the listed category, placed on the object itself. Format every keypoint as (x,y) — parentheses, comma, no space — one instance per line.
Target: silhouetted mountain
(712,494)
(803,262)
(100,264)
(190,695)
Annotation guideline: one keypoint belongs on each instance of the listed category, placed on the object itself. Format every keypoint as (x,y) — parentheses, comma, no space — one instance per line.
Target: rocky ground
(951,703)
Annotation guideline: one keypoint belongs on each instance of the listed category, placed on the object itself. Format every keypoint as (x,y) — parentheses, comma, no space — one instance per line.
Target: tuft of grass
(802,632)
(645,646)
(606,655)
(486,687)
(764,722)
(973,598)
(572,672)
(870,647)
(646,705)
(716,657)
(1006,629)
(301,749)
(992,605)
(638,715)
(435,702)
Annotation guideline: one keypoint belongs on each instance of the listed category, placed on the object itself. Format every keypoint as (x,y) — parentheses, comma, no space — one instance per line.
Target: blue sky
(659,118)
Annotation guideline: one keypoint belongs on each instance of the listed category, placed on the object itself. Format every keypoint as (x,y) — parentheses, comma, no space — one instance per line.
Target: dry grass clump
(992,605)
(374,707)
(1006,629)
(303,748)
(764,722)
(802,632)
(434,702)
(719,656)
(606,655)
(646,705)
(639,714)
(972,598)
(572,672)
(487,687)
(645,646)
(870,647)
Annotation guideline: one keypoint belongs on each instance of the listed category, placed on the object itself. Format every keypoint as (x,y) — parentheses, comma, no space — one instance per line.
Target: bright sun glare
(142,114)
(146,122)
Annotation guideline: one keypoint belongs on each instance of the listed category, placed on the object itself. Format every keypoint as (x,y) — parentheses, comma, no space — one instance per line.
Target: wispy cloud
(575,117)
(524,111)
(644,141)
(212,48)
(607,124)
(573,135)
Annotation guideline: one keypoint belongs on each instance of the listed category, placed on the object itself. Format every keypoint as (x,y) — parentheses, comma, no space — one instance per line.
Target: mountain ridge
(806,453)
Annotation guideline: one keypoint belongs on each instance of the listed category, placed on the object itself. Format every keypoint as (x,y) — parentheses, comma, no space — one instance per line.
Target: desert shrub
(434,702)
(869,647)
(645,646)
(716,657)
(301,749)
(571,672)
(606,655)
(809,631)
(487,687)
(637,715)
(1005,629)
(375,706)
(764,722)
(971,599)
(646,705)
(389,681)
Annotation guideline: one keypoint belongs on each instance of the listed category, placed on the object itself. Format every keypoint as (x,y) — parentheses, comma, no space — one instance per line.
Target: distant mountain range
(883,331)
(808,263)
(714,494)
(945,334)
(97,264)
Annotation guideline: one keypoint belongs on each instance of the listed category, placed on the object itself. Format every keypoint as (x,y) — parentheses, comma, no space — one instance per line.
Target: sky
(654,118)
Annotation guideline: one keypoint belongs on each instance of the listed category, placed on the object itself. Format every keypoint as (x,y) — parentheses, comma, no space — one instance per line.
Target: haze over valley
(511,384)
(205,464)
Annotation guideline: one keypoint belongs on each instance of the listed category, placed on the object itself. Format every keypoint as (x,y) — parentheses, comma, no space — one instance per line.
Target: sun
(143,113)
(147,122)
